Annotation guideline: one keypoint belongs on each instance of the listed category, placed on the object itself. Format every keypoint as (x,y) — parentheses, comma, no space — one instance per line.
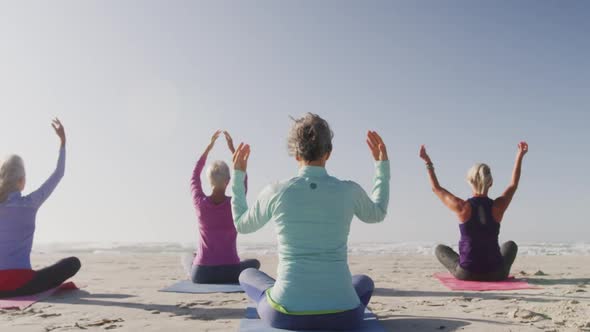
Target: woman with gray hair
(480,256)
(216,260)
(312,212)
(17,228)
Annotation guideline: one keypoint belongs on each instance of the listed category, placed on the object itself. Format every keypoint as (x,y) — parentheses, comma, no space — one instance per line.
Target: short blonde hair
(11,172)
(218,174)
(480,178)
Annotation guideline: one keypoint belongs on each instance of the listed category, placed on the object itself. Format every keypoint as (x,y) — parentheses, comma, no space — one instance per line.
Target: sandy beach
(120,293)
(135,134)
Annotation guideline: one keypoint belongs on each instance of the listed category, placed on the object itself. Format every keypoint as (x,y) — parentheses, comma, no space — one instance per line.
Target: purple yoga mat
(23,302)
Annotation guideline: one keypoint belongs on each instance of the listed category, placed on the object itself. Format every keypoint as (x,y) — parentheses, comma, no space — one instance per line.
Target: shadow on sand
(429,323)
(531,297)
(563,281)
(409,323)
(194,311)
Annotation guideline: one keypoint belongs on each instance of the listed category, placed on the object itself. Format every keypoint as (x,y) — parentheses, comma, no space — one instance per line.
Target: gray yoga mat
(252,323)
(187,286)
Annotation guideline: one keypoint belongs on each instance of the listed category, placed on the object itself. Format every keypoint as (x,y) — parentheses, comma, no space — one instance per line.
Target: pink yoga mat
(23,302)
(455,284)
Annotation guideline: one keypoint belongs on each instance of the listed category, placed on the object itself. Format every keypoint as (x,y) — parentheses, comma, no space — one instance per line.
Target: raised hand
(59,130)
(215,137)
(523,148)
(212,142)
(241,157)
(230,142)
(424,155)
(377,146)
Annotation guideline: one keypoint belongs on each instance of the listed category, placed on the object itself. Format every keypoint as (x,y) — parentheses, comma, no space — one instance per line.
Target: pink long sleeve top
(217,233)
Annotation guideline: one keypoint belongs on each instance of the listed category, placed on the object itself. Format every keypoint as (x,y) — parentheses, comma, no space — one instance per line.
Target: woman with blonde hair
(480,255)
(17,228)
(216,260)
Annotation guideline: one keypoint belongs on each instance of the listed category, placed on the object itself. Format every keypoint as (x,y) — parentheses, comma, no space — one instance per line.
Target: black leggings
(47,278)
(221,274)
(450,259)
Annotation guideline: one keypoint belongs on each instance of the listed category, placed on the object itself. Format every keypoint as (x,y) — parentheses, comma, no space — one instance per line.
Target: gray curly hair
(310,137)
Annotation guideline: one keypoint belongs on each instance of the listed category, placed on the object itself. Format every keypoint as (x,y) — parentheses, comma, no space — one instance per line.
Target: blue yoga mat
(252,323)
(187,286)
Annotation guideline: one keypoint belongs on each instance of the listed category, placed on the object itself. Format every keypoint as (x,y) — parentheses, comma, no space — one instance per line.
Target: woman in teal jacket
(312,213)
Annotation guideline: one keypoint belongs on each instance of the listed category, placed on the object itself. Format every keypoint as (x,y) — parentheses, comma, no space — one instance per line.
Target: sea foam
(393,248)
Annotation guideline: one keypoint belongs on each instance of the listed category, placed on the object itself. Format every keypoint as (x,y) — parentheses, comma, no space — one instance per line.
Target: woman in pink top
(216,260)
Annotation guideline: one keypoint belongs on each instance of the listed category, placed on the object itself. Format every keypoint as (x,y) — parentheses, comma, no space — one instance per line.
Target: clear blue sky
(141,85)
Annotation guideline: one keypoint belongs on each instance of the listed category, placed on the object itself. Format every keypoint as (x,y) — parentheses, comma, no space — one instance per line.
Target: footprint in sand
(527,316)
(540,273)
(191,305)
(430,303)
(461,299)
(575,290)
(110,323)
(48,315)
(224,302)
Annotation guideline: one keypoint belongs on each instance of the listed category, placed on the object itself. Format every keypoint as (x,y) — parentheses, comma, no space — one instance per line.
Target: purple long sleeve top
(217,233)
(17,220)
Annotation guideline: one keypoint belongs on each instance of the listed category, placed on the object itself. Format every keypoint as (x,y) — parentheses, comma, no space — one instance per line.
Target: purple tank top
(479,251)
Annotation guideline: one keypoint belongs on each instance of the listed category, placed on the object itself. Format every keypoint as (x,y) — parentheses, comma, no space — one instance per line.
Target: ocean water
(399,248)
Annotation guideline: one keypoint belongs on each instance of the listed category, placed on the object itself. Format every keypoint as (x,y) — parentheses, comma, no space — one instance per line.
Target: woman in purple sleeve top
(17,228)
(216,260)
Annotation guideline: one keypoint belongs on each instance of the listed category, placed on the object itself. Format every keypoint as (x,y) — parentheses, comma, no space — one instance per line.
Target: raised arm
(39,196)
(374,209)
(230,146)
(196,186)
(501,203)
(247,220)
(454,203)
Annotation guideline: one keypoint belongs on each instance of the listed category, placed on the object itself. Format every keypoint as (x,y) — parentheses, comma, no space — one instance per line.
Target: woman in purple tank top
(480,256)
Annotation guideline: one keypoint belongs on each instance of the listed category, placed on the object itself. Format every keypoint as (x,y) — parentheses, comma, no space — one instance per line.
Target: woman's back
(17,220)
(312,213)
(480,256)
(313,220)
(217,234)
(17,227)
(478,248)
(216,259)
